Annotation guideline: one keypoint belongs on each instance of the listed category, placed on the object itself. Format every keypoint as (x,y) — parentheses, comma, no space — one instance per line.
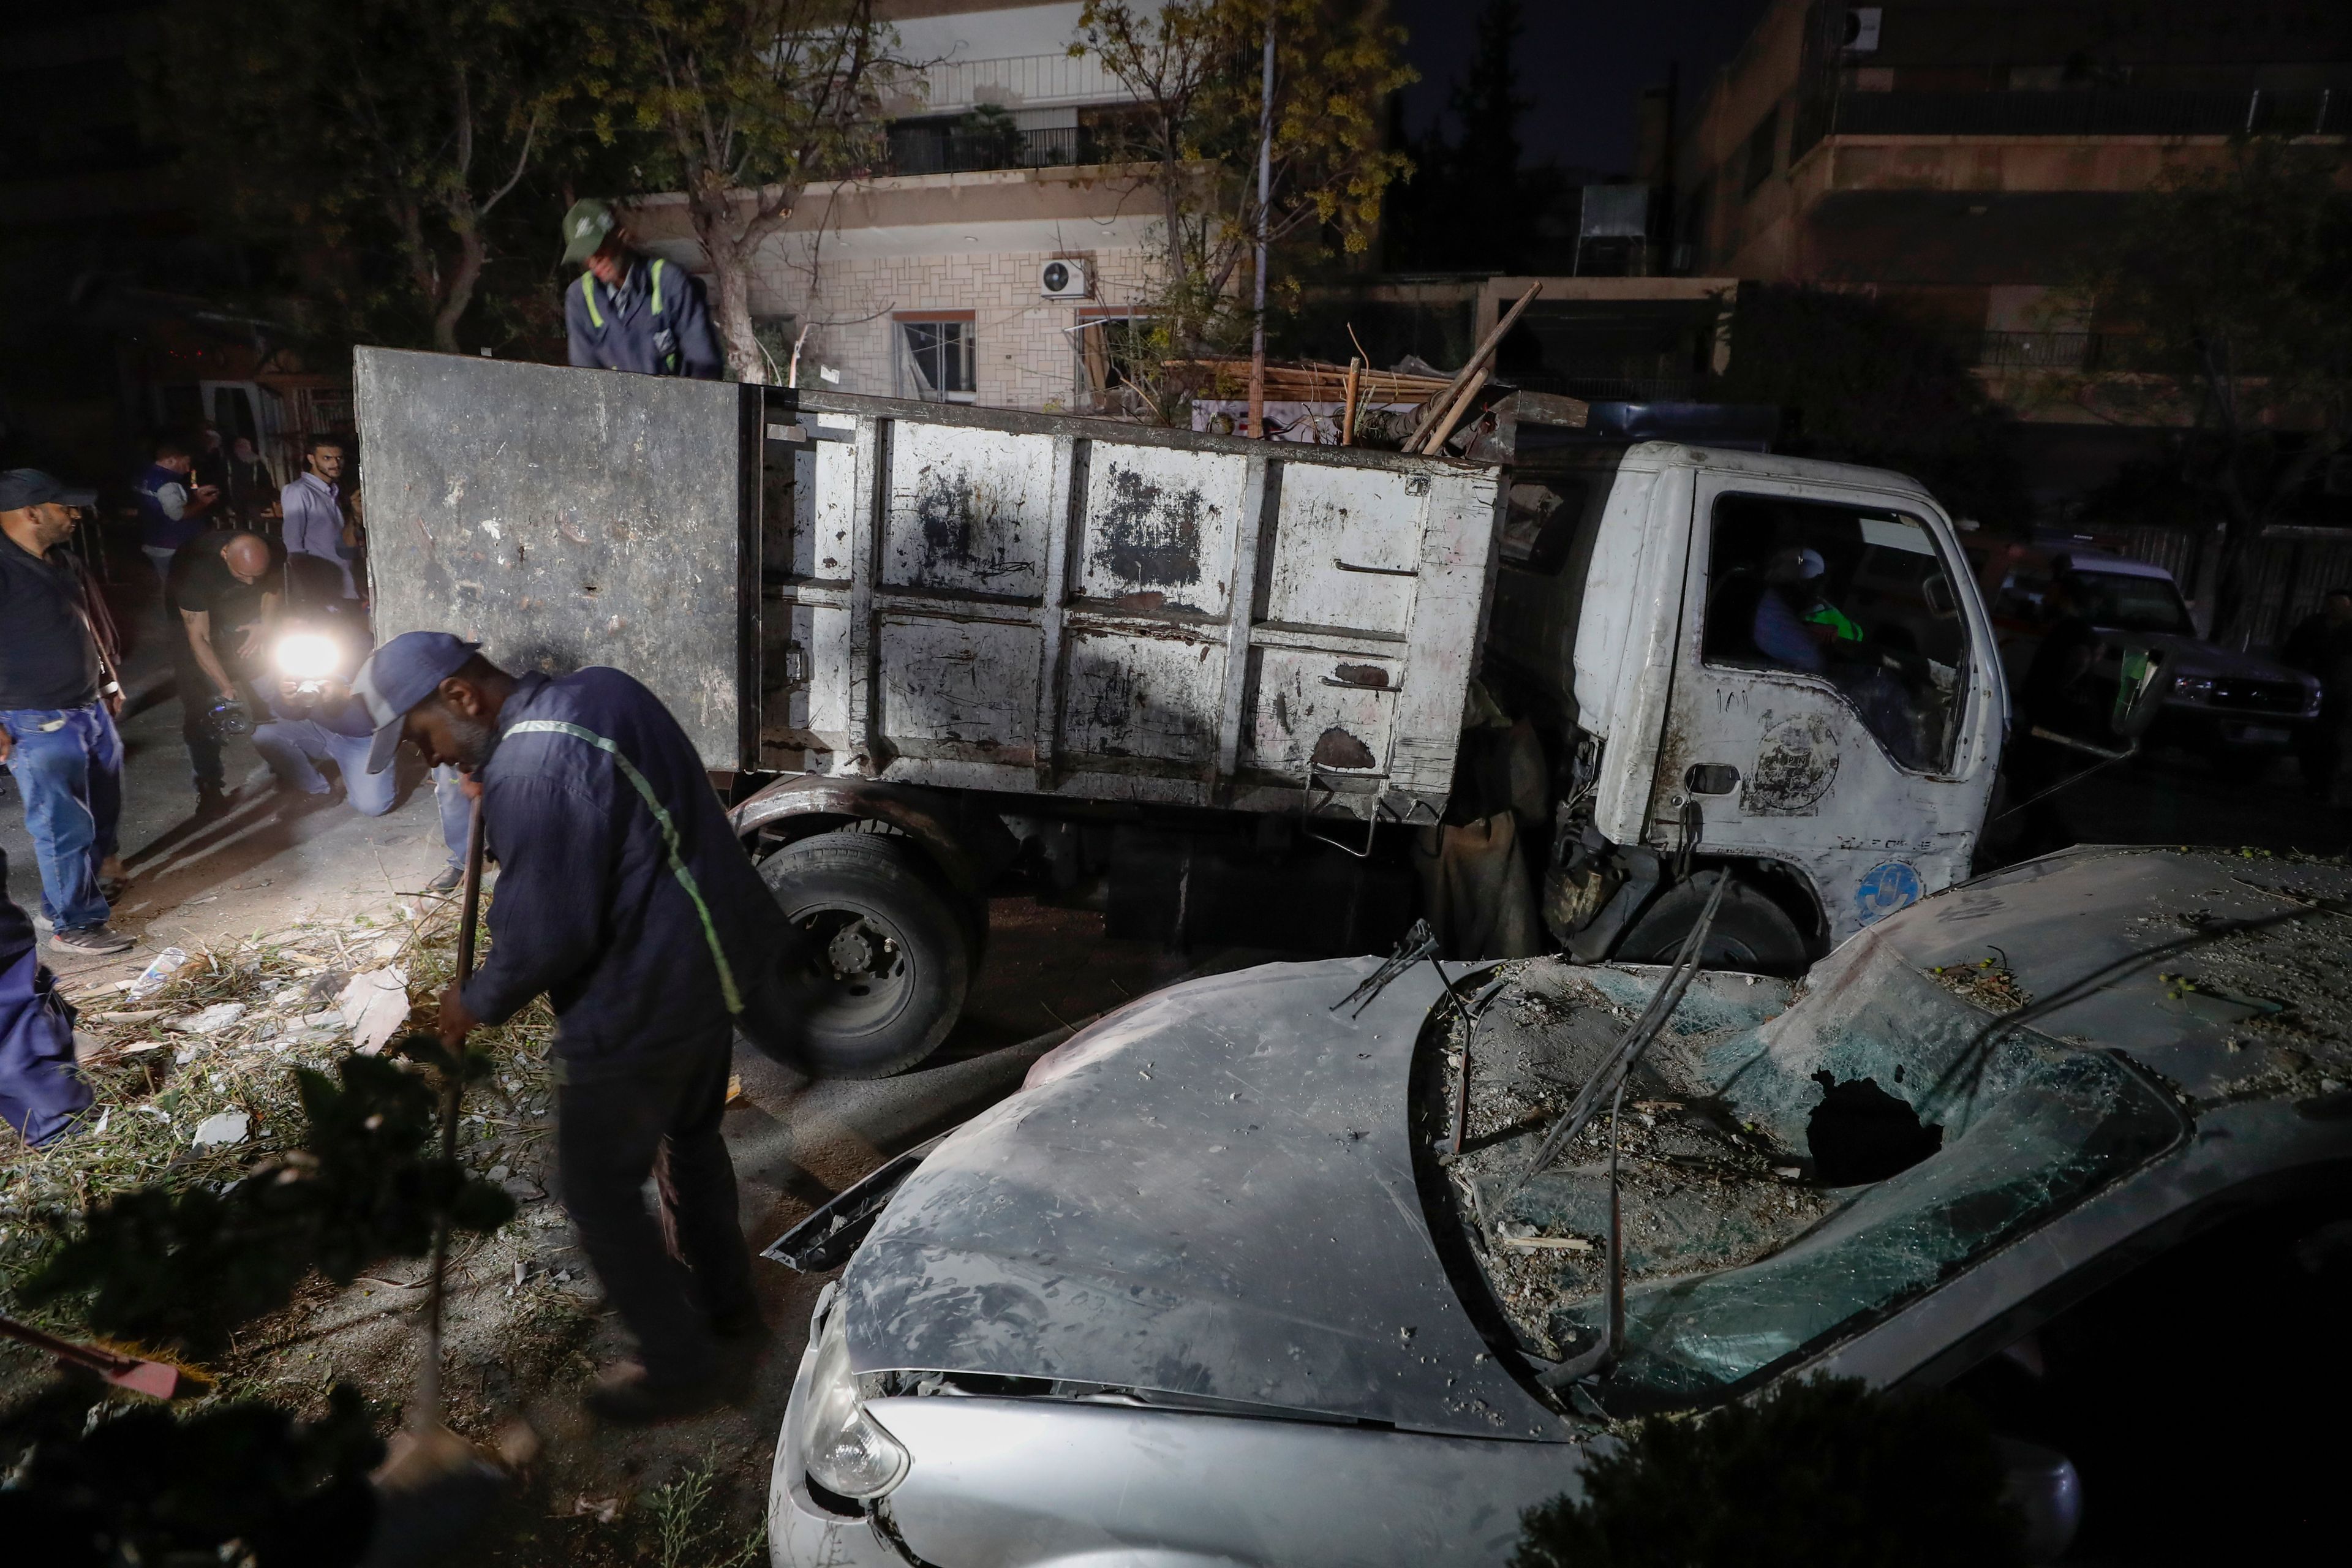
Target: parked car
(1228,1282)
(2221,699)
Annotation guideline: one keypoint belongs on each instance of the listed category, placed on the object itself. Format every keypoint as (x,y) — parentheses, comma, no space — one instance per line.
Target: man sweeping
(625,899)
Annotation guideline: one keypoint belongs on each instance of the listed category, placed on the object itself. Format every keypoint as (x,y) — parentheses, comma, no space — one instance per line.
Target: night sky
(1584,64)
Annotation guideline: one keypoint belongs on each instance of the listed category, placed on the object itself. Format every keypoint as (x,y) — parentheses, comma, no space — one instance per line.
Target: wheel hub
(857,949)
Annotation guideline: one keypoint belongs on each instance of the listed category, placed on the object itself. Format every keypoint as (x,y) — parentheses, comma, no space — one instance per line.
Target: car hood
(2195,658)
(1208,1197)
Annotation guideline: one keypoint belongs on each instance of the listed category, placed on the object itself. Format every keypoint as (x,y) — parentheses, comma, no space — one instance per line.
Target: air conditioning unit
(1063,278)
(1861,29)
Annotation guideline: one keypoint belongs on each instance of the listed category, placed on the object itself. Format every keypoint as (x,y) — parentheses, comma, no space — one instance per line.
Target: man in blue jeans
(319,720)
(58,697)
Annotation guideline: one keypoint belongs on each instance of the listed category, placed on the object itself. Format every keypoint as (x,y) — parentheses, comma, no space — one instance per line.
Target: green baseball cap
(585,228)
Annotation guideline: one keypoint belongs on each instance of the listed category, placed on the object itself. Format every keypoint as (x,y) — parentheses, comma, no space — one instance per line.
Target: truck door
(1833,707)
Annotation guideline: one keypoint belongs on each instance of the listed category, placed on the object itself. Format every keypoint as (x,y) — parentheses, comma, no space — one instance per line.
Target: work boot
(447,881)
(211,801)
(89,941)
(624,1397)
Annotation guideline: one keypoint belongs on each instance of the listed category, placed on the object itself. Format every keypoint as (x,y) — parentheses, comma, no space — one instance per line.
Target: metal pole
(1265,192)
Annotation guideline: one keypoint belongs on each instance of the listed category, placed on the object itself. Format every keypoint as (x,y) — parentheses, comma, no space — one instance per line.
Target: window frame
(906,360)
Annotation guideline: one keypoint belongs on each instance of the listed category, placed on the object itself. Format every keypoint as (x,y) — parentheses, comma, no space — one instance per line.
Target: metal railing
(1015,80)
(919,149)
(2089,111)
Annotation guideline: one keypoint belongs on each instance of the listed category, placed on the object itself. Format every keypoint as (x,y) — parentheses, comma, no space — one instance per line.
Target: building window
(1114,356)
(1762,143)
(935,356)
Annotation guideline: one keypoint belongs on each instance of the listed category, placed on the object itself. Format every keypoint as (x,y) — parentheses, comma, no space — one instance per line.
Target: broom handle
(428,1383)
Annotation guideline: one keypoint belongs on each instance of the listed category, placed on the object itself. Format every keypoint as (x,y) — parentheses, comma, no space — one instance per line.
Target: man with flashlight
(314,718)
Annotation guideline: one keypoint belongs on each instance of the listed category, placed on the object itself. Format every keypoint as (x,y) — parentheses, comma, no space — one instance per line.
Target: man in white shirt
(316,530)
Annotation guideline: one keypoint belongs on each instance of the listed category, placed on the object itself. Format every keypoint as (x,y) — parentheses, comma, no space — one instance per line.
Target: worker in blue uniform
(630,311)
(626,899)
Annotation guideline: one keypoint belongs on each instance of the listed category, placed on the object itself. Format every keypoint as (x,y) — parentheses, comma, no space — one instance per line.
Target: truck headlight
(844,1449)
(307,656)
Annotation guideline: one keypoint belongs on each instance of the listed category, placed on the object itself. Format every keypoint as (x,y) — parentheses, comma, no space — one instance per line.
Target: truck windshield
(2131,603)
(1788,1177)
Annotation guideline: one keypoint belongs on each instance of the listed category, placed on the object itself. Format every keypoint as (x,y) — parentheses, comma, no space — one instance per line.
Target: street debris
(221,1128)
(375,1006)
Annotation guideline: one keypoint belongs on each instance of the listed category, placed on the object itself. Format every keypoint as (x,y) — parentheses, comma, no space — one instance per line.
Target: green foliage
(1194,65)
(91,1482)
(186,1269)
(1859,383)
(1822,1474)
(373,145)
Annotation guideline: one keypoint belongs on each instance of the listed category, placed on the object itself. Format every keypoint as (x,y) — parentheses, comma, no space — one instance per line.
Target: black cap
(22,488)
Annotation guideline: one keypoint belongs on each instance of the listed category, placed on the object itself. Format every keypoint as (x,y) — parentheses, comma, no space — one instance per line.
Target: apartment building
(1963,156)
(1001,249)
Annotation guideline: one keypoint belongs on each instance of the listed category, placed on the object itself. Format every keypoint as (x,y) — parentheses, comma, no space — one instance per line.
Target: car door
(1833,703)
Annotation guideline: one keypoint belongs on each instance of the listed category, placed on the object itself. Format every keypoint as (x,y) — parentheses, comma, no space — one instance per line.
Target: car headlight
(846,1449)
(307,656)
(2197,689)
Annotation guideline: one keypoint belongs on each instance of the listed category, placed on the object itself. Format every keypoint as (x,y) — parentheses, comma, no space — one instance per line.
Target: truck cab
(1771,667)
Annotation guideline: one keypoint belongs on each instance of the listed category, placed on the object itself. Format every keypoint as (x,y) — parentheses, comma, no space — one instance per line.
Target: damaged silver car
(1352,1262)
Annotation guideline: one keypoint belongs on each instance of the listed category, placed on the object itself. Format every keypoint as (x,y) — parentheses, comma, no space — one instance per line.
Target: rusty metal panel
(1160,528)
(571,518)
(1333,712)
(1346,549)
(1140,697)
(959,687)
(969,510)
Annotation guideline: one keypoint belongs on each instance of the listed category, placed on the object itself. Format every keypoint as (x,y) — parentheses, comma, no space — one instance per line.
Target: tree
(1858,382)
(1192,65)
(740,104)
(2230,287)
(368,127)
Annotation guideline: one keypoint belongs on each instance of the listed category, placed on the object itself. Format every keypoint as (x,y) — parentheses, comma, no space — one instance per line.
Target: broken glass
(1738,1253)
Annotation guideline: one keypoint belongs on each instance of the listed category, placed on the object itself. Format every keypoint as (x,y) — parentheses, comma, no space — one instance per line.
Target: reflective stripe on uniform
(668,833)
(657,267)
(588,292)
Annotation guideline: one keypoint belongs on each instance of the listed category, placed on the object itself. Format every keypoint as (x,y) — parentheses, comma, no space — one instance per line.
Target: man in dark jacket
(625,899)
(629,311)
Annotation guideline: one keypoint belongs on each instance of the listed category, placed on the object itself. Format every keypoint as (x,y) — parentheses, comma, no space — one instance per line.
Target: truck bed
(941,594)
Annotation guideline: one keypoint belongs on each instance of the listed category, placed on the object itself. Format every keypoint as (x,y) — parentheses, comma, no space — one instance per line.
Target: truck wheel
(1750,931)
(890,960)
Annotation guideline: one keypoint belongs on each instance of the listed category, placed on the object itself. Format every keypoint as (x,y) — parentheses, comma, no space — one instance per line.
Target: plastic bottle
(158,974)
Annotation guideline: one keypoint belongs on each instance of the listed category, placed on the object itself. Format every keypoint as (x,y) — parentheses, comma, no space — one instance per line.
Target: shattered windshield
(1789,1170)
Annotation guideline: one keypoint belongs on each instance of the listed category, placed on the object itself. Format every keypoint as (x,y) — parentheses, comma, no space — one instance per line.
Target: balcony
(957,148)
(1015,81)
(2091,111)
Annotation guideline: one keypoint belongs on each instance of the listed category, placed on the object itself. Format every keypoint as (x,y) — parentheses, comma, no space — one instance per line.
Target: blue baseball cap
(398,676)
(23,488)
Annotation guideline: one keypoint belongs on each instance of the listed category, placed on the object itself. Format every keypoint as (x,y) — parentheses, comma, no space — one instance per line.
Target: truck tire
(890,959)
(1750,931)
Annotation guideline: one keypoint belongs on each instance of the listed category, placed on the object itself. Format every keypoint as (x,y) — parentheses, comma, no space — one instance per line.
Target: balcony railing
(2090,111)
(919,149)
(1014,81)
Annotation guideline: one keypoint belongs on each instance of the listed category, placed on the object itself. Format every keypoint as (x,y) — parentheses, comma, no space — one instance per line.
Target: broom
(434,1485)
